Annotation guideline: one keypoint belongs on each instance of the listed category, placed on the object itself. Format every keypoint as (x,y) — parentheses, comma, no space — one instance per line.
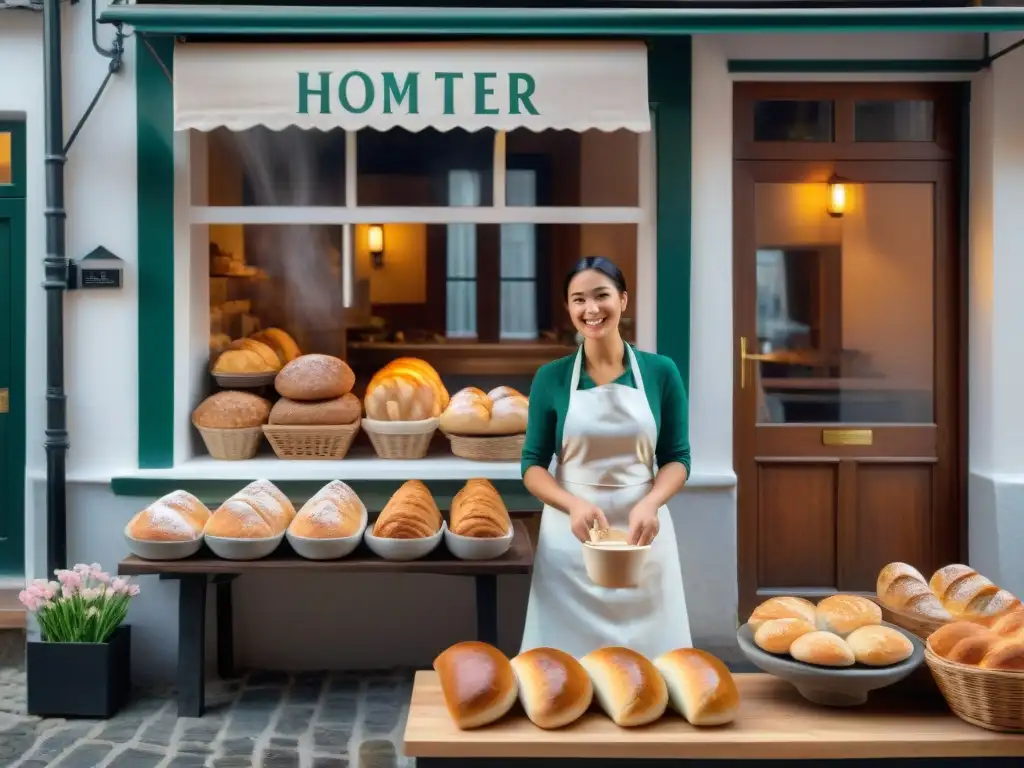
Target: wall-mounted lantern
(375,244)
(836,197)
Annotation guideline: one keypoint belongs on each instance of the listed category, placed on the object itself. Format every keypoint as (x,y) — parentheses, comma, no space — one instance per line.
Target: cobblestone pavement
(262,720)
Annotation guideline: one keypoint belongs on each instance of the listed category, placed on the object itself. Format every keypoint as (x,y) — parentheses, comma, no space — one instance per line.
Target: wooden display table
(774,723)
(196,572)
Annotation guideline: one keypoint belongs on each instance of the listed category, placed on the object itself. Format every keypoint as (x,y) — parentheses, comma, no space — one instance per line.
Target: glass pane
(460,309)
(845,305)
(263,167)
(894,121)
(791,120)
(592,168)
(518,310)
(401,168)
(6,162)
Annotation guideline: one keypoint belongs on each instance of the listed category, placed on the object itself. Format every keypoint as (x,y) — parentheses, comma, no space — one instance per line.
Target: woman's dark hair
(599,264)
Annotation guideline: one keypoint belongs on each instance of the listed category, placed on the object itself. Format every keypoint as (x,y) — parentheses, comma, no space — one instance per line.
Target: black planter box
(79,679)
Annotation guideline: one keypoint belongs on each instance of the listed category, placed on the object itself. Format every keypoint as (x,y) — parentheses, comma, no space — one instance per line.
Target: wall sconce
(836,197)
(375,244)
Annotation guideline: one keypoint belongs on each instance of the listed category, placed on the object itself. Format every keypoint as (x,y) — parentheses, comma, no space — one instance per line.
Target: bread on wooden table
(333,512)
(966,594)
(628,686)
(777,635)
(478,683)
(178,516)
(284,346)
(782,608)
(315,377)
(700,687)
(823,649)
(554,688)
(841,614)
(258,511)
(334,412)
(879,646)
(231,410)
(478,511)
(406,389)
(411,513)
(472,412)
(903,589)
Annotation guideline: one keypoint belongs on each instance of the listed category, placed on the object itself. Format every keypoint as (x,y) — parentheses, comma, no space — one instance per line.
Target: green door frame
(12,357)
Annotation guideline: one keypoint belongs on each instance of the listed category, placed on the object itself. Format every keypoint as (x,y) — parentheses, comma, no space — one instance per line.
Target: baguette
(902,589)
(966,594)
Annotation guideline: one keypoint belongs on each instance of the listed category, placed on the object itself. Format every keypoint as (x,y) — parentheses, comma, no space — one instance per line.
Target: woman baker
(615,418)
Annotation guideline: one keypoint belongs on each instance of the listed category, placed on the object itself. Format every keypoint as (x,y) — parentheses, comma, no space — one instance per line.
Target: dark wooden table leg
(487,608)
(192,645)
(225,628)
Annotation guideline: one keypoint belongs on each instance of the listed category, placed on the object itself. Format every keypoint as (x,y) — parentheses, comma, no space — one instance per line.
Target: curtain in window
(460,308)
(519,262)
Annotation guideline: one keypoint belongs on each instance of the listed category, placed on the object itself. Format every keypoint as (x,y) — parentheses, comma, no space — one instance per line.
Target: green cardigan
(549,402)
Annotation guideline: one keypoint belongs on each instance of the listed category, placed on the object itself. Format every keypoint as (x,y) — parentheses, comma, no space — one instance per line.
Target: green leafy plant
(84,605)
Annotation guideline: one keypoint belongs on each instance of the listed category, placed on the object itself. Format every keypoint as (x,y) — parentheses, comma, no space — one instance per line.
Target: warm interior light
(836,197)
(375,243)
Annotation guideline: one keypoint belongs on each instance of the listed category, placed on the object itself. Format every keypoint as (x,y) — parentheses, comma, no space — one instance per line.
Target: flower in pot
(81,666)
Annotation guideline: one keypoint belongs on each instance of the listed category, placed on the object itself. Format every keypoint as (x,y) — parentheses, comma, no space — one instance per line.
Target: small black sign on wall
(99,269)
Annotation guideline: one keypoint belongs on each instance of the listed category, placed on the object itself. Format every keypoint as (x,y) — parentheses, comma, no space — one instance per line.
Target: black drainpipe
(56,266)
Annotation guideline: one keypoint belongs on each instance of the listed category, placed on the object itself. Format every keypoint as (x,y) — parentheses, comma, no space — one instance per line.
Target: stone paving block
(159,733)
(187,761)
(331,738)
(136,758)
(88,754)
(295,720)
(377,754)
(330,762)
(280,758)
(58,740)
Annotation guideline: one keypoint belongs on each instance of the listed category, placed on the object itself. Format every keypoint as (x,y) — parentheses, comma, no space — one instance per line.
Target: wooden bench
(775,724)
(194,574)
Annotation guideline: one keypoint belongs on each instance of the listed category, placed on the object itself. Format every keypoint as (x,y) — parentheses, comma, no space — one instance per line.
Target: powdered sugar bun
(258,511)
(178,516)
(334,512)
(499,393)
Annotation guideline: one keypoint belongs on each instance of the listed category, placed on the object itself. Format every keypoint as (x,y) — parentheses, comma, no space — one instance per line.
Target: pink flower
(67,591)
(30,601)
(119,585)
(82,569)
(133,590)
(70,579)
(101,577)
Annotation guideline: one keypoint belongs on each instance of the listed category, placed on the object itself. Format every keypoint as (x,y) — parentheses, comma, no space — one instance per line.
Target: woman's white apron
(607,458)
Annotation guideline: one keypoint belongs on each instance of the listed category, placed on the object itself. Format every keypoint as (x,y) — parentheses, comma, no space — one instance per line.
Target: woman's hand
(643,523)
(582,515)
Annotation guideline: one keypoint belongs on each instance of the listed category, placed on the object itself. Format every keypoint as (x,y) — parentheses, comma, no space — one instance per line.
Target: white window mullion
(455,214)
(348,269)
(498,193)
(647,244)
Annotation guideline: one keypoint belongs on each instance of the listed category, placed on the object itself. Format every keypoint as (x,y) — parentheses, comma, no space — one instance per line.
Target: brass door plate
(847,437)
(5,400)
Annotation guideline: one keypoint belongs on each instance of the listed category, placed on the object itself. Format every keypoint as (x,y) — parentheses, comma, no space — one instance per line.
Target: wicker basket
(988,698)
(919,625)
(302,441)
(232,444)
(244,380)
(505,448)
(401,439)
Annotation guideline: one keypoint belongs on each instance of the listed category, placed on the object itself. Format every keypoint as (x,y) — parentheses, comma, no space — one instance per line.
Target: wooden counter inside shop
(774,723)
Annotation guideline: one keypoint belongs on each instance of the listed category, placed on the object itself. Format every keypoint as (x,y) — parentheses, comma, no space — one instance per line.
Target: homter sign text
(358,92)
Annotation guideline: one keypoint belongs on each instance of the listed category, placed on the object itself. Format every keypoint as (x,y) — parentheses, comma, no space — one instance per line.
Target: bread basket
(232,444)
(400,439)
(921,626)
(244,380)
(302,441)
(989,698)
(487,448)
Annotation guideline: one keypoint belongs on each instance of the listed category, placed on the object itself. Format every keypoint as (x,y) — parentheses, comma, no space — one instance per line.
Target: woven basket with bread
(486,426)
(403,403)
(231,424)
(255,360)
(317,416)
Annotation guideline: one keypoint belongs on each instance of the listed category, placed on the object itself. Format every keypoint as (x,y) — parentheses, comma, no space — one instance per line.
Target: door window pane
(894,121)
(6,161)
(792,120)
(845,310)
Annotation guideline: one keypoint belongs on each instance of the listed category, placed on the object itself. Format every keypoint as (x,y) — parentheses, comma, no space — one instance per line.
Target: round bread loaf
(879,646)
(841,614)
(340,410)
(231,410)
(315,377)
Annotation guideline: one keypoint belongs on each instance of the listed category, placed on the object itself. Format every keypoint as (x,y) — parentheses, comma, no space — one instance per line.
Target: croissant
(411,513)
(478,511)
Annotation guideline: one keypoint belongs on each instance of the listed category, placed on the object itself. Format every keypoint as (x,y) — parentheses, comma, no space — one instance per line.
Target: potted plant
(81,666)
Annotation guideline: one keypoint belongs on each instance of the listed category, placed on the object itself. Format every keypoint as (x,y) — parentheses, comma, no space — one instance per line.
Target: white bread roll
(477,683)
(627,685)
(178,516)
(700,687)
(554,688)
(841,614)
(258,511)
(823,649)
(508,415)
(471,412)
(879,646)
(782,608)
(334,512)
(777,635)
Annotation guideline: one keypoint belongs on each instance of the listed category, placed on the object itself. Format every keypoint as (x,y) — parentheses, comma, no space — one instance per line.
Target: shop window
(6,158)
(883,121)
(793,120)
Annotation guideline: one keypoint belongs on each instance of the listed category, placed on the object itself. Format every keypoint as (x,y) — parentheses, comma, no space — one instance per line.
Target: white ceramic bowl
(163,550)
(471,548)
(327,549)
(402,550)
(615,567)
(243,549)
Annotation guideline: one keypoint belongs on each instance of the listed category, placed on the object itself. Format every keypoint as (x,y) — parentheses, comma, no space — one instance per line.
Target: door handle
(746,357)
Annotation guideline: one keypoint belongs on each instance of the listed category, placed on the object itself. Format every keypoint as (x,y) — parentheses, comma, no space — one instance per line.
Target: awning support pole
(990,57)
(55,283)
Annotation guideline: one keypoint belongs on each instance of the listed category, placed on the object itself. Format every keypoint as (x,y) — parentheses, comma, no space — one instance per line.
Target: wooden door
(847,357)
(12,341)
